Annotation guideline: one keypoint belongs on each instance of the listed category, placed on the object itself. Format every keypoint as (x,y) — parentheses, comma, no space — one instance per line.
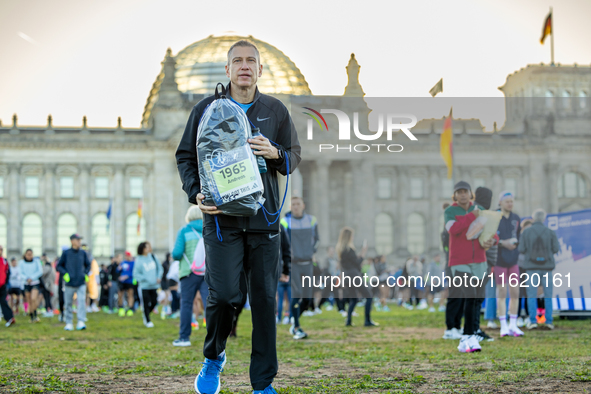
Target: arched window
(415,234)
(384,234)
(101,237)
(3,235)
(582,99)
(132,237)
(549,99)
(33,233)
(572,185)
(566,101)
(66,226)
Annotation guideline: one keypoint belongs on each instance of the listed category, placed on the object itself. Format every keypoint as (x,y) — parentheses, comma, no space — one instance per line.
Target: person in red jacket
(4,275)
(467,259)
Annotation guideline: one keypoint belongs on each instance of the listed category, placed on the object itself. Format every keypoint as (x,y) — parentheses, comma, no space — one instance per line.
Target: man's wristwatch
(280,153)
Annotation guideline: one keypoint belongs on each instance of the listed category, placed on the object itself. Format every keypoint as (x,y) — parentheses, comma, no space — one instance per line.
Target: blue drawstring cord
(217,229)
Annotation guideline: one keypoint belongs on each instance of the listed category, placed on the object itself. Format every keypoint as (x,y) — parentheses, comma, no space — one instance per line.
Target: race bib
(232,175)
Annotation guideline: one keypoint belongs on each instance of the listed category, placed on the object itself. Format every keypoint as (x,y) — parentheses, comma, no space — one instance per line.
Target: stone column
(403,188)
(85,214)
(432,220)
(552,177)
(322,196)
(50,221)
(15,233)
(118,219)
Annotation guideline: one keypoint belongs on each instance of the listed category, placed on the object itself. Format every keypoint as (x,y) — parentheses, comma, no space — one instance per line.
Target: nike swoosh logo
(260,120)
(273,236)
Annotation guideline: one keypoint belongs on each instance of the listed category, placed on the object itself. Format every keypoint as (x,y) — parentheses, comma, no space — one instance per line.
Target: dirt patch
(289,376)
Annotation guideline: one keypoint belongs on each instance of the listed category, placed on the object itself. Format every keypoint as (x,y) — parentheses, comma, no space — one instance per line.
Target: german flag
(547,29)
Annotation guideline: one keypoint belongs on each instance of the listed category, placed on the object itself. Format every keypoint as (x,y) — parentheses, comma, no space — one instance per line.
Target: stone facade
(375,192)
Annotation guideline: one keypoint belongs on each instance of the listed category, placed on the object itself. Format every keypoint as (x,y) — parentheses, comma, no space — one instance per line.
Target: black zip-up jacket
(271,116)
(76,263)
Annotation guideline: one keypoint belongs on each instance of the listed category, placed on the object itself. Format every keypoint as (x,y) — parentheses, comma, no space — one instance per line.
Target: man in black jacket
(74,266)
(247,243)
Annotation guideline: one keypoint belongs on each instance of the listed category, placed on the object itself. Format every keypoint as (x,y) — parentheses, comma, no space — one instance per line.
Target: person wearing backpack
(539,244)
(189,250)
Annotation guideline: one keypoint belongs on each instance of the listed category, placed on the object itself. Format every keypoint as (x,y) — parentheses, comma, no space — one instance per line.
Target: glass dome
(200,66)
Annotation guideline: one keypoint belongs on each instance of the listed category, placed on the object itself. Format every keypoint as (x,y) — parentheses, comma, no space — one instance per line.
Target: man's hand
(284,278)
(489,243)
(123,278)
(507,244)
(210,210)
(262,147)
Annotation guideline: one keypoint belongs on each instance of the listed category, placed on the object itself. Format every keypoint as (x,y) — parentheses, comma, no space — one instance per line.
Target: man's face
(129,257)
(244,69)
(119,258)
(75,243)
(297,207)
(13,262)
(463,196)
(507,204)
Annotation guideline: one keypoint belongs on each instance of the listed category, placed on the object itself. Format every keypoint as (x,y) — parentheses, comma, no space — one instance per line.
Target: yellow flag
(447,144)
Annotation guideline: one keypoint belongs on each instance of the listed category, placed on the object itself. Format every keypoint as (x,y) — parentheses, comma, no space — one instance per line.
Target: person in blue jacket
(74,266)
(126,285)
(147,271)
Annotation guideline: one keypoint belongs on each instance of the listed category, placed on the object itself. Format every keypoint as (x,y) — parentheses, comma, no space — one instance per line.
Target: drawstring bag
(228,170)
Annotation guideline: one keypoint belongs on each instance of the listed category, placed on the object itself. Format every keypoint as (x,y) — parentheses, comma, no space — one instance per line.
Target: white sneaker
(292,330)
(530,325)
(515,332)
(431,309)
(181,343)
(48,314)
(492,325)
(69,327)
(520,322)
(308,313)
(469,344)
(285,320)
(408,306)
(317,311)
(299,334)
(343,313)
(504,332)
(422,305)
(80,326)
(441,308)
(95,308)
(149,325)
(329,307)
(452,334)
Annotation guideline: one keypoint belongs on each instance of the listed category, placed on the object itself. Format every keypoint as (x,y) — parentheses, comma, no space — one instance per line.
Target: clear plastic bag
(228,170)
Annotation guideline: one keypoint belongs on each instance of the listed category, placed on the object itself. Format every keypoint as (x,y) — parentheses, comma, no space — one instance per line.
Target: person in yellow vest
(92,284)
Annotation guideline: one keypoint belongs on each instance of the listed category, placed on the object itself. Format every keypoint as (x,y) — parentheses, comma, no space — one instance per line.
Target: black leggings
(150,299)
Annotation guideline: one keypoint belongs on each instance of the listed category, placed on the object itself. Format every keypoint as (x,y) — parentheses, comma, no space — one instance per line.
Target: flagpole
(551,37)
(112,229)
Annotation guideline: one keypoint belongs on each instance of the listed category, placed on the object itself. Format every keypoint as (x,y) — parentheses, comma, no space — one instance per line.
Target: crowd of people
(37,287)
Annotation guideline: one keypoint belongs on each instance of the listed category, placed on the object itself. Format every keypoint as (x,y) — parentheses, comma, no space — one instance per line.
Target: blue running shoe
(268,390)
(208,380)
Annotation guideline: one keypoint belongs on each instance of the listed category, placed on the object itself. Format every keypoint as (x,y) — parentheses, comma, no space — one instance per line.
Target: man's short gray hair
(193,213)
(539,215)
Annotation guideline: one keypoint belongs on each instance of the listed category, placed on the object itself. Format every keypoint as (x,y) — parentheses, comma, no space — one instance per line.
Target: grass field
(404,355)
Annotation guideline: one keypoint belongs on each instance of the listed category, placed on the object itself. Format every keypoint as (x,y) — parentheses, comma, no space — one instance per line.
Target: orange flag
(139,216)
(447,144)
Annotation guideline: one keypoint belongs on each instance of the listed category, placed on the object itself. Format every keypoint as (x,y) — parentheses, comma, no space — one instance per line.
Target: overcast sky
(100,58)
